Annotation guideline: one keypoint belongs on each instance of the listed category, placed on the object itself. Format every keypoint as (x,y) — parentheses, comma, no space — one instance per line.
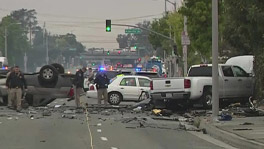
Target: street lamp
(6,37)
(173,3)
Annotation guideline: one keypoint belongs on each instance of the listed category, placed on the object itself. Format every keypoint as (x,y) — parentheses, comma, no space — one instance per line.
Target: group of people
(17,85)
(101,80)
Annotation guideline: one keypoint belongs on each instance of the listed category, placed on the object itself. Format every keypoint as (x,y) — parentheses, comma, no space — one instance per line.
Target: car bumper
(170,95)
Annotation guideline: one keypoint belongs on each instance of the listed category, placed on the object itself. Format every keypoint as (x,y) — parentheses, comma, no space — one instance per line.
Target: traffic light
(119,52)
(139,59)
(93,63)
(108,25)
(175,49)
(108,52)
(135,46)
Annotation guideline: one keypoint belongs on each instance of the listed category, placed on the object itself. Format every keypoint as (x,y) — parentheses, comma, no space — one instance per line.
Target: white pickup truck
(234,83)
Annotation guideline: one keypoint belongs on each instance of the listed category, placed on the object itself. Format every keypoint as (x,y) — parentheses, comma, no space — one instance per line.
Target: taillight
(151,85)
(91,88)
(187,83)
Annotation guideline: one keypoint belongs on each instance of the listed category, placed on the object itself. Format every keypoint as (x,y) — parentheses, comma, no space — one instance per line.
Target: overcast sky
(86,18)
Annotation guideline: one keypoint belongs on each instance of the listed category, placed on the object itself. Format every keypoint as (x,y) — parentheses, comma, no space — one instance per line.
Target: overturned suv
(44,86)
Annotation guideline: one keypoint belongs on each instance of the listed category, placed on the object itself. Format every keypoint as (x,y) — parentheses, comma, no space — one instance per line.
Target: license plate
(168,95)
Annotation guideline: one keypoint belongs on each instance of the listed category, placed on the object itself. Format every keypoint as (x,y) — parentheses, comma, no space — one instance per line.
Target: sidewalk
(243,133)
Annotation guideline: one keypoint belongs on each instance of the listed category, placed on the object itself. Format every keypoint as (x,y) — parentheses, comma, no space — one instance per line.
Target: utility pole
(44,30)
(215,91)
(185,47)
(165,8)
(47,48)
(5,42)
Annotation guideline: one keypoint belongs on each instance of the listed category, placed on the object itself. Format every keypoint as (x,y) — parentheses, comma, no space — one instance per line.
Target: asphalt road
(95,129)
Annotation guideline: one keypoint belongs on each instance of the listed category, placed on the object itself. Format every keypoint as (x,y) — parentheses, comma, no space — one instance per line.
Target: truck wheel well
(206,88)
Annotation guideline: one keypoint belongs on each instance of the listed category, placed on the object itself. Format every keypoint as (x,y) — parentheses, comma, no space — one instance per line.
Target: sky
(86,18)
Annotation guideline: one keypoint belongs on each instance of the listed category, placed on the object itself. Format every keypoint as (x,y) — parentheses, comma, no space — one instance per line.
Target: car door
(129,88)
(230,84)
(144,85)
(244,81)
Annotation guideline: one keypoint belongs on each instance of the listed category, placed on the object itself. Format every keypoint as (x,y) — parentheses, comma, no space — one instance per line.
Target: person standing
(79,81)
(16,83)
(102,83)
(10,104)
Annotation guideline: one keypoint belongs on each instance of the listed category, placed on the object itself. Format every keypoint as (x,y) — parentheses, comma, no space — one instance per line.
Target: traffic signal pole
(154,32)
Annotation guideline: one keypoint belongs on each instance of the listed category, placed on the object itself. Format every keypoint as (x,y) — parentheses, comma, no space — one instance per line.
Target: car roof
(205,65)
(133,76)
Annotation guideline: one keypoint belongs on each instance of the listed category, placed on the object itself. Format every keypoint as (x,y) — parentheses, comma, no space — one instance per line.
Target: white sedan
(124,88)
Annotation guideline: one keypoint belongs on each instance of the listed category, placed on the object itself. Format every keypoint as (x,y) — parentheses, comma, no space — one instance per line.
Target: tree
(199,16)
(16,40)
(244,31)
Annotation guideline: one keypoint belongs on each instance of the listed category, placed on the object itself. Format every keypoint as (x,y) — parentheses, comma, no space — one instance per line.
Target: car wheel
(114,98)
(59,68)
(48,74)
(207,99)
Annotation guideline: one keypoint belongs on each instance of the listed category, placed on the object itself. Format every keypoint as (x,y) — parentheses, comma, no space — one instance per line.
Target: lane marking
(114,148)
(99,130)
(99,124)
(88,125)
(104,139)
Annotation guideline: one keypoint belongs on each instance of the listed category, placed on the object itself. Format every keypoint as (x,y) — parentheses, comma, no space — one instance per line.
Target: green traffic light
(108,29)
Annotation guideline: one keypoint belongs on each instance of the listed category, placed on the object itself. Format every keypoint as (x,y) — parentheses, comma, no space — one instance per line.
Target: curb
(227,137)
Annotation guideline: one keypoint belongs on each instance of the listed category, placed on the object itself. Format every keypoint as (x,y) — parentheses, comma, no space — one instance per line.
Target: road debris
(32,117)
(69,116)
(57,106)
(46,113)
(247,123)
(69,112)
(138,109)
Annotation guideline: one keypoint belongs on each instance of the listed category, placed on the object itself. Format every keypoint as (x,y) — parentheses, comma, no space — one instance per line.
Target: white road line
(114,148)
(99,130)
(104,139)
(212,140)
(99,124)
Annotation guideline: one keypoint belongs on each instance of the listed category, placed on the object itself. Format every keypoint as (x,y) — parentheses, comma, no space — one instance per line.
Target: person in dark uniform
(79,81)
(16,83)
(102,83)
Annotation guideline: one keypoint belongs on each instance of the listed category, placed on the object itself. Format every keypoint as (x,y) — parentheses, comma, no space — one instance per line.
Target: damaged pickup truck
(44,86)
(234,83)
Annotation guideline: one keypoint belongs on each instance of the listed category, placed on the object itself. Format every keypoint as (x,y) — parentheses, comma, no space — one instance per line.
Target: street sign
(185,40)
(133,31)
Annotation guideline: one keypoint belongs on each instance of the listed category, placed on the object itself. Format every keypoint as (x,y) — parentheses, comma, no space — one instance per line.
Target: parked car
(110,74)
(44,86)
(124,88)
(234,83)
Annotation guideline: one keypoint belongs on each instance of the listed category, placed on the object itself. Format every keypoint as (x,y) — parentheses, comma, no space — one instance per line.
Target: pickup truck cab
(234,83)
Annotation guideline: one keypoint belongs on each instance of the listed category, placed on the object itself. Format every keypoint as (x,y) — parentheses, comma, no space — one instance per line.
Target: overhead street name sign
(133,31)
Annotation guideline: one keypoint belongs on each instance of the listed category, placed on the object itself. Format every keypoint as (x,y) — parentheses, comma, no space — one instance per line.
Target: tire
(207,99)
(59,68)
(48,74)
(114,98)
